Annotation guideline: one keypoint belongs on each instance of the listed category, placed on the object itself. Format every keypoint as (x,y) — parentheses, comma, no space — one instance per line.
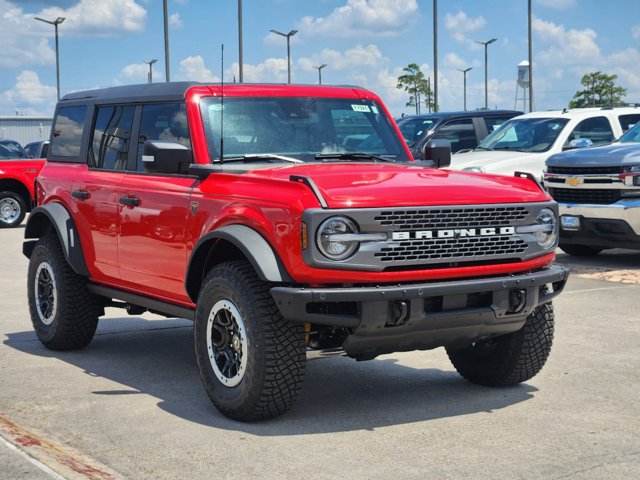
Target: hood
(619,155)
(500,161)
(345,185)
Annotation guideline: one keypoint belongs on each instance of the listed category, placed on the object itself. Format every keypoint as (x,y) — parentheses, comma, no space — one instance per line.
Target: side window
(494,122)
(597,129)
(66,134)
(111,137)
(167,122)
(460,133)
(629,120)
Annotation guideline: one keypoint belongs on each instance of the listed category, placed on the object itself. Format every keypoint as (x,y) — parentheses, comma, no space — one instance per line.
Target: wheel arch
(54,217)
(229,243)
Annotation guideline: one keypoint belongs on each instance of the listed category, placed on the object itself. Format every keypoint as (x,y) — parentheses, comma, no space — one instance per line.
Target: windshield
(413,129)
(632,135)
(11,150)
(525,135)
(299,128)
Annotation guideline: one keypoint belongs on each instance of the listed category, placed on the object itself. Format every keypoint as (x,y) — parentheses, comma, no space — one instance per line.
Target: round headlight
(333,238)
(546,237)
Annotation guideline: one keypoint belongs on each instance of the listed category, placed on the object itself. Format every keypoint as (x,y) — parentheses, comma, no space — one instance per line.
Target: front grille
(585,170)
(584,195)
(451,218)
(452,248)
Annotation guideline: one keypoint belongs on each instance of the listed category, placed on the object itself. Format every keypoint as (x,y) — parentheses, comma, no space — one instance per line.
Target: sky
(104,43)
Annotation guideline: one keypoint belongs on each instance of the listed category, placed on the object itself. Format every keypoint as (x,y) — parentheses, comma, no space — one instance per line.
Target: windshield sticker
(361,108)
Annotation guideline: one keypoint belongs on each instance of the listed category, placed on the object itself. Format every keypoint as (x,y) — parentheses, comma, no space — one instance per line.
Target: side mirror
(165,157)
(438,150)
(578,143)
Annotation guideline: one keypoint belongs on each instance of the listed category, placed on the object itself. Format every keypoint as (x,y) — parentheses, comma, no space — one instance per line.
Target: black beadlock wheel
(12,209)
(580,250)
(63,312)
(251,360)
(509,359)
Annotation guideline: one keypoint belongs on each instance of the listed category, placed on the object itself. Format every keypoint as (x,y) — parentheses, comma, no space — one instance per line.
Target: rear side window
(460,133)
(111,137)
(596,129)
(66,134)
(628,121)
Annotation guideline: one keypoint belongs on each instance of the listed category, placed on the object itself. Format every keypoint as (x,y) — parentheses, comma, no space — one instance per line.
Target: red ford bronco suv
(16,189)
(285,221)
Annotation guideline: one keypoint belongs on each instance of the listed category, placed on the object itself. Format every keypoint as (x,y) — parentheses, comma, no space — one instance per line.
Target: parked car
(524,143)
(37,149)
(463,129)
(10,150)
(280,241)
(598,194)
(17,183)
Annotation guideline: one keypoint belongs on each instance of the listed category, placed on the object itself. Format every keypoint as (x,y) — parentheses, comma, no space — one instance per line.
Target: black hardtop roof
(462,113)
(150,92)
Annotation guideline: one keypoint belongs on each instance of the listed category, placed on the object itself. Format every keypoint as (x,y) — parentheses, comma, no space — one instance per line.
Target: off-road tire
(63,312)
(509,359)
(580,250)
(271,377)
(15,208)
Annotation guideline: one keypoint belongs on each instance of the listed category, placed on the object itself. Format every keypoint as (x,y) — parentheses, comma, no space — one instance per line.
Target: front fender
(55,217)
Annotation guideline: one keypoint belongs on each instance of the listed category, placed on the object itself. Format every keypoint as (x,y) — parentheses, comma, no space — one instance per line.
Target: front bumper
(615,225)
(385,319)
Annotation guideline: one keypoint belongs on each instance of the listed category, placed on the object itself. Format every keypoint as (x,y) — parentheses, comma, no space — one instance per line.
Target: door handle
(130,201)
(80,194)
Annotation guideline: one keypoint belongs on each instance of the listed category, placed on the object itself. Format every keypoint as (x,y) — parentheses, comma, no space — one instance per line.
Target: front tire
(251,359)
(63,312)
(509,359)
(12,209)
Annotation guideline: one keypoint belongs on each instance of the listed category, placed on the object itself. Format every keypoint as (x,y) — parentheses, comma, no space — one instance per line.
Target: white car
(523,143)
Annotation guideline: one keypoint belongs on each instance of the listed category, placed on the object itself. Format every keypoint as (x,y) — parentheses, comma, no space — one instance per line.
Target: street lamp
(150,75)
(464,73)
(288,37)
(320,67)
(240,68)
(55,24)
(167,68)
(486,91)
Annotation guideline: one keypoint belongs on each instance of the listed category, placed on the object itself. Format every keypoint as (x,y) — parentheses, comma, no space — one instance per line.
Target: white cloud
(98,17)
(364,17)
(271,70)
(194,69)
(28,96)
(557,4)
(564,48)
(175,21)
(359,56)
(460,24)
(134,73)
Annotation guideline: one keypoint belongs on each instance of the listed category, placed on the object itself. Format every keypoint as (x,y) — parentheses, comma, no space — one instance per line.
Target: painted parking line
(61,462)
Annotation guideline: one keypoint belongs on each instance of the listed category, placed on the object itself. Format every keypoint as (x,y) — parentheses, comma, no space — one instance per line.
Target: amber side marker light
(303,236)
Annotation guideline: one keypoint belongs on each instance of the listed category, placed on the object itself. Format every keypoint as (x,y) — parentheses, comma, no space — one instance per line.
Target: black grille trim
(585,195)
(585,170)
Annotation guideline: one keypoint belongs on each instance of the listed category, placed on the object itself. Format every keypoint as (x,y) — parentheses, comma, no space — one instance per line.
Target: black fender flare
(55,214)
(253,246)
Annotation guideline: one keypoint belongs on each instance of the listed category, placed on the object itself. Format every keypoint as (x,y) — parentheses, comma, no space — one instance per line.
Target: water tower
(523,84)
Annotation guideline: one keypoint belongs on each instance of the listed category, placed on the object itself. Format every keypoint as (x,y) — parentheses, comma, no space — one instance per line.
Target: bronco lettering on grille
(453,233)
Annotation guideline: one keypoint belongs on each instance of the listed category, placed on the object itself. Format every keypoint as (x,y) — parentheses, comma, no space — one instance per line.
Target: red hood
(375,185)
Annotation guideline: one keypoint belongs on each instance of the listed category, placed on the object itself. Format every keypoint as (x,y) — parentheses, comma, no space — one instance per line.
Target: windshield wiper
(483,148)
(510,149)
(356,156)
(259,157)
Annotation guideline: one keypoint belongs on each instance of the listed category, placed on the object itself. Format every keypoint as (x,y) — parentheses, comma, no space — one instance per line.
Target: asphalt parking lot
(131,404)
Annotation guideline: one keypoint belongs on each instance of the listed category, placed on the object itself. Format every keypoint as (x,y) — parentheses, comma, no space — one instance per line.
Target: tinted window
(628,121)
(460,133)
(413,129)
(597,129)
(11,150)
(66,135)
(167,122)
(525,134)
(111,137)
(494,122)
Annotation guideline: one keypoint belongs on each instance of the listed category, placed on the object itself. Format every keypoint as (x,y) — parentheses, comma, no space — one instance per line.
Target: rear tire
(580,250)
(12,209)
(251,359)
(63,312)
(509,359)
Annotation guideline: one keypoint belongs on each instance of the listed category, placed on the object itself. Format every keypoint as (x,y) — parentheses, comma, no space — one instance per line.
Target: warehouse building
(25,129)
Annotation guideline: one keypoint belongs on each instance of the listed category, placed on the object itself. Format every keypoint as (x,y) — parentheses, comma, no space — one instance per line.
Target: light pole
(240,75)
(435,57)
(320,67)
(150,74)
(55,24)
(288,37)
(166,43)
(486,88)
(464,73)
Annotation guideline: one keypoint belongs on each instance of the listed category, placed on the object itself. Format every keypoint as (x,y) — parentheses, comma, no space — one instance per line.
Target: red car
(285,221)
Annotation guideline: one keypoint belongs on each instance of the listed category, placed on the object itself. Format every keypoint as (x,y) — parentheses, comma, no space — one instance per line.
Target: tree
(417,86)
(599,90)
